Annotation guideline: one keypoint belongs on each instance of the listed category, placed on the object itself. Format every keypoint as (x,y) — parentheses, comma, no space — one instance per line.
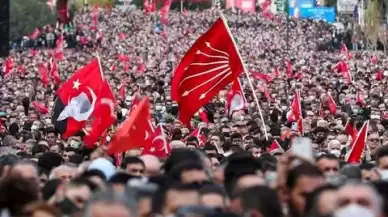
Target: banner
(326,14)
(346,6)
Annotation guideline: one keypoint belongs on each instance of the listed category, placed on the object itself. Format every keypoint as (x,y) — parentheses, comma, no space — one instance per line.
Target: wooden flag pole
(249,79)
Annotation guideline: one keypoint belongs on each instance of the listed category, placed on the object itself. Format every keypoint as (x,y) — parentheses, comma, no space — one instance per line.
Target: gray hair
(126,199)
(377,200)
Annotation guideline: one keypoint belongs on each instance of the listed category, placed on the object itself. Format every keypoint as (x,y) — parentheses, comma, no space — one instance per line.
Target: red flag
(345,51)
(359,144)
(275,147)
(103,114)
(122,89)
(35,34)
(59,48)
(123,58)
(135,102)
(360,98)
(8,66)
(379,75)
(157,144)
(141,68)
(122,36)
(113,67)
(263,88)
(76,99)
(43,72)
(289,69)
(261,76)
(197,133)
(40,107)
(331,104)
(210,64)
(33,52)
(203,115)
(295,114)
(131,133)
(164,12)
(235,99)
(54,72)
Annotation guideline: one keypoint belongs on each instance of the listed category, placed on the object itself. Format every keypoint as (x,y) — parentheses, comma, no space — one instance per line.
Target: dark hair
(51,130)
(382,152)
(179,155)
(80,181)
(366,166)
(50,188)
(121,178)
(16,192)
(212,189)
(131,160)
(94,172)
(262,199)
(304,169)
(175,174)
(312,200)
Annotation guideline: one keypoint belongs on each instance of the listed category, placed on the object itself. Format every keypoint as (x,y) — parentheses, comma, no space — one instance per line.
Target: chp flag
(209,65)
(76,99)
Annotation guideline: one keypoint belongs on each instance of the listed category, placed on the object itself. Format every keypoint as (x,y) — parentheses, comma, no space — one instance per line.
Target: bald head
(152,164)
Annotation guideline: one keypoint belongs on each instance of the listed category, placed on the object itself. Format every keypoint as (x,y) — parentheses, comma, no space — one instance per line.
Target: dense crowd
(231,167)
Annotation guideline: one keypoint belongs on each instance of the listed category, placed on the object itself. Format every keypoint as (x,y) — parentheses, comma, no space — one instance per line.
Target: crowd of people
(230,168)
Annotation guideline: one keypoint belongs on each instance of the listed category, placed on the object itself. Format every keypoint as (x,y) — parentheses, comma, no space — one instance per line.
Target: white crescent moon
(87,114)
(109,103)
(146,135)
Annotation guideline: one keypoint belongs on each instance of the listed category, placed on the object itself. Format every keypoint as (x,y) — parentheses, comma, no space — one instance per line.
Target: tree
(26,15)
(372,23)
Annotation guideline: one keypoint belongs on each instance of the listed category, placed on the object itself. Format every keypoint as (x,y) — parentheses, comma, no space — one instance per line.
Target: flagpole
(99,64)
(164,138)
(246,73)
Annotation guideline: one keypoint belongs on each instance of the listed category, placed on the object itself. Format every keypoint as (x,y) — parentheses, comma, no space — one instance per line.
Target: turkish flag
(8,66)
(103,116)
(76,99)
(275,147)
(54,72)
(210,64)
(40,107)
(157,144)
(289,69)
(235,99)
(331,104)
(379,75)
(132,133)
(359,144)
(59,49)
(43,73)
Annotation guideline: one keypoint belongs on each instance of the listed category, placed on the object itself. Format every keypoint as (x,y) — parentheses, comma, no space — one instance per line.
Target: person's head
(57,148)
(68,153)
(355,198)
(373,141)
(382,162)
(328,164)
(51,135)
(77,193)
(133,165)
(366,171)
(213,196)
(334,147)
(301,181)
(63,172)
(188,172)
(175,196)
(260,201)
(152,165)
(110,203)
(217,139)
(27,169)
(16,192)
(321,202)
